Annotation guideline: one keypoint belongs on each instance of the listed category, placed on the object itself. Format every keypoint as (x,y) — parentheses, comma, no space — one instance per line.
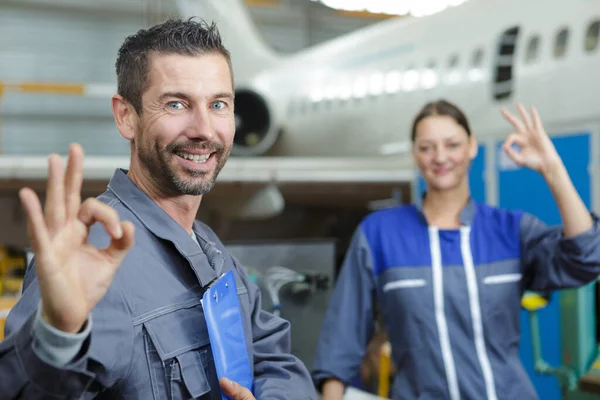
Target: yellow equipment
(11,276)
(532,301)
(385,361)
(6,303)
(11,280)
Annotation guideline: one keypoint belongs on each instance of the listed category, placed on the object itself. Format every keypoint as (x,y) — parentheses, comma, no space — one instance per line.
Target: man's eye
(175,105)
(218,105)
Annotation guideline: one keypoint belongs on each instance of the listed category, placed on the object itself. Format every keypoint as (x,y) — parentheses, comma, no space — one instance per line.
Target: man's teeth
(198,158)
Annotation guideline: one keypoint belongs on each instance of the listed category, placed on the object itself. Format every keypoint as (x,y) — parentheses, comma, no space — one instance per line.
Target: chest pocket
(500,291)
(404,295)
(179,356)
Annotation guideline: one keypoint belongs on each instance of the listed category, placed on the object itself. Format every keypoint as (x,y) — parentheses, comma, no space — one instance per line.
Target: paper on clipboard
(226,332)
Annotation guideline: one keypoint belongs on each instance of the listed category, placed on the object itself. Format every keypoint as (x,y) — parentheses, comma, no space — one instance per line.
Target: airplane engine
(256,131)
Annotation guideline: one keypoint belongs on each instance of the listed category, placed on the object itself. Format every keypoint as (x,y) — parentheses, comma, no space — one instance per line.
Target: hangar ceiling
(291,25)
(287,25)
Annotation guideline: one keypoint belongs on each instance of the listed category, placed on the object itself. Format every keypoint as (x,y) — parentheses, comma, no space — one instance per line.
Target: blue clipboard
(226,332)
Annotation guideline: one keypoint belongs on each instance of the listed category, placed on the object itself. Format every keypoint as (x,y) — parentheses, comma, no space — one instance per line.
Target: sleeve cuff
(584,241)
(56,347)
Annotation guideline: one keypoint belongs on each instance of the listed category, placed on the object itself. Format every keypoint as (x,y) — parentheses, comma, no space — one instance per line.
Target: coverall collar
(157,221)
(466,217)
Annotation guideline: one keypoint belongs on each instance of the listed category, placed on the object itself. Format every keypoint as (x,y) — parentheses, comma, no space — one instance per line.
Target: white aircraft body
(315,124)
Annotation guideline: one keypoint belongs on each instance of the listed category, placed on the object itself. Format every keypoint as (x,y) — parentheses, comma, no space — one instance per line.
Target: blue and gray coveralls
(449,299)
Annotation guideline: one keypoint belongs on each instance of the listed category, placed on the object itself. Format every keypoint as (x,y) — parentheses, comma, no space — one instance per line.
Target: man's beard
(168,179)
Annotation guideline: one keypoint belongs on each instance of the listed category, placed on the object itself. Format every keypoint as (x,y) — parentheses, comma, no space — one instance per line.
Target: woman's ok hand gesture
(536,149)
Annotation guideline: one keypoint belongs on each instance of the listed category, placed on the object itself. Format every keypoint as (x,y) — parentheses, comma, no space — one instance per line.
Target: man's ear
(126,117)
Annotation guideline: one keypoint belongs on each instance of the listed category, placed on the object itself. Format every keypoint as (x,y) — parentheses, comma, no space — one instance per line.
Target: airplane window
(361,86)
(330,95)
(477,58)
(476,71)
(411,79)
(316,97)
(560,45)
(393,81)
(376,84)
(345,92)
(591,37)
(429,76)
(453,76)
(532,50)
(453,62)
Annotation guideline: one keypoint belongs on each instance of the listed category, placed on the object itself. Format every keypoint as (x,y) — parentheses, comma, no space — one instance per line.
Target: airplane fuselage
(357,95)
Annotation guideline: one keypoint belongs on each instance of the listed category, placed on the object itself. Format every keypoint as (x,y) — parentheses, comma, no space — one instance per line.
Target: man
(106,316)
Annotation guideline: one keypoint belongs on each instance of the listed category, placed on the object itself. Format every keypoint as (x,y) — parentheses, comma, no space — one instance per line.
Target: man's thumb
(234,390)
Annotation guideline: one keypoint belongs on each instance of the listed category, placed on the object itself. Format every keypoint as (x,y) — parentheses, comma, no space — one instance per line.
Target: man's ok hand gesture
(73,275)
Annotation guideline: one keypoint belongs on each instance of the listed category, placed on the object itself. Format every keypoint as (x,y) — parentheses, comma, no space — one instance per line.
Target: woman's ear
(413,151)
(473,147)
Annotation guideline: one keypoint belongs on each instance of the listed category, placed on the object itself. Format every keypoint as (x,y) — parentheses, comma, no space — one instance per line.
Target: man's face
(187,125)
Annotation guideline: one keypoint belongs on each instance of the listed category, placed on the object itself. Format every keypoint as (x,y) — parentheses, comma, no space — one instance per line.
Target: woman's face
(443,152)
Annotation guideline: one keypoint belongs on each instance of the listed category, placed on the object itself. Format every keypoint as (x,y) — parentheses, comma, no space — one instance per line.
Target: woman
(448,276)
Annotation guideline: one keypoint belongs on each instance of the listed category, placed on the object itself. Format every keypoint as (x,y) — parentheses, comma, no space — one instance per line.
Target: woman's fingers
(514,121)
(510,141)
(537,121)
(528,123)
